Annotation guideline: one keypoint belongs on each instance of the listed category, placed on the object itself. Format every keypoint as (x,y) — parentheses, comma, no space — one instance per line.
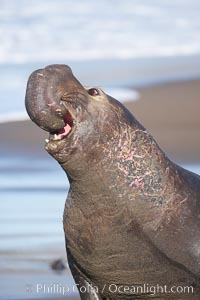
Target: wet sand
(171,112)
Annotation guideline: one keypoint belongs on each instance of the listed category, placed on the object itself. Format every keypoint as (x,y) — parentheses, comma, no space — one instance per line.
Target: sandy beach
(145,54)
(169,111)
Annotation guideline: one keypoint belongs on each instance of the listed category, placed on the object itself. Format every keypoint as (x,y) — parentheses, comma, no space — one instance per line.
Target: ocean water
(33,192)
(114,44)
(40,30)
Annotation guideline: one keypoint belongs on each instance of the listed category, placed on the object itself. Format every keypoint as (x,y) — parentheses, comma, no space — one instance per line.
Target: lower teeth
(56,137)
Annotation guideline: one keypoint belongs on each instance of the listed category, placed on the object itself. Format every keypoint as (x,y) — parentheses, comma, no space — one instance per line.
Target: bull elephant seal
(132,217)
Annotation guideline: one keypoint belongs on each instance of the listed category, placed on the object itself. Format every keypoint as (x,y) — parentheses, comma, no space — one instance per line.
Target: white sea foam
(13,116)
(39,31)
(122,94)
(114,43)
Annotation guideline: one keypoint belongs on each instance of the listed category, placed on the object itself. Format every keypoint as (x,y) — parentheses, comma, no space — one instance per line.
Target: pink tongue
(65,130)
(69,123)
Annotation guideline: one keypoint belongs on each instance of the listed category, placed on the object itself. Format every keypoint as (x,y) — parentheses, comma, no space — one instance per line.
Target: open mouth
(63,132)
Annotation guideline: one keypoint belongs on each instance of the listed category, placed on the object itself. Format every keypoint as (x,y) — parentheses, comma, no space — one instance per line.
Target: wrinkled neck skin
(119,157)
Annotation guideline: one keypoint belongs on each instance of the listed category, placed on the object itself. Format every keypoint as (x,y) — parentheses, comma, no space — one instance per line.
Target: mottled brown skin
(132,216)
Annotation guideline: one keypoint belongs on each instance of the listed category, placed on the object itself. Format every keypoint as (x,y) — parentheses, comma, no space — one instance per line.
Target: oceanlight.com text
(60,289)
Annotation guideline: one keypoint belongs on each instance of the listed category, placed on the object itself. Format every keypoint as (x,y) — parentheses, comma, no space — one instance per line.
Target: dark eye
(93,92)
